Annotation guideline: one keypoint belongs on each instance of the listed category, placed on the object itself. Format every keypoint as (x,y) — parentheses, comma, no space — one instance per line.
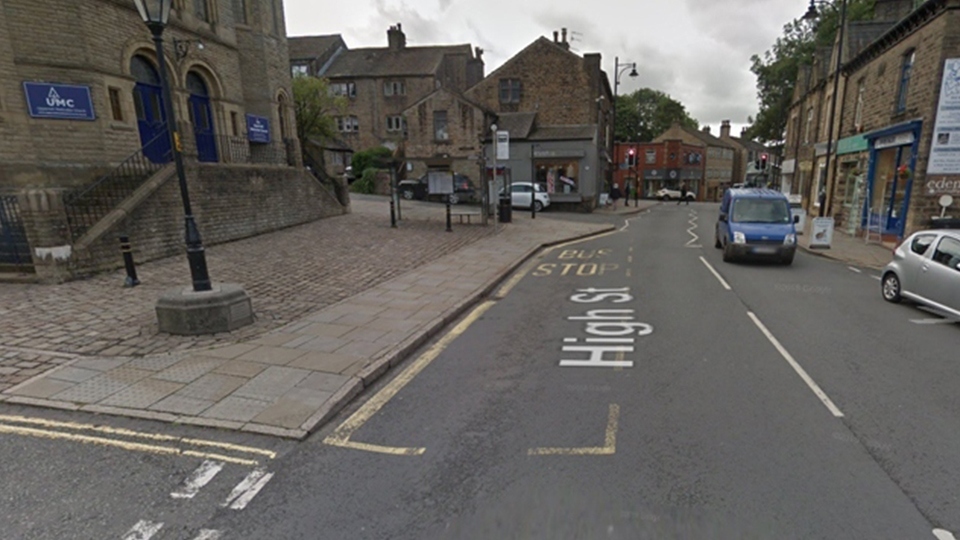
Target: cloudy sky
(698,51)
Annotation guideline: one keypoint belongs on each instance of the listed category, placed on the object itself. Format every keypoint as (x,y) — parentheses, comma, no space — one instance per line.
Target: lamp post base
(185,312)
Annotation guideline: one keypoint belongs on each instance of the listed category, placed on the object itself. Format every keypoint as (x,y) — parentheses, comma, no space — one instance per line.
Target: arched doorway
(282,115)
(148,101)
(201,117)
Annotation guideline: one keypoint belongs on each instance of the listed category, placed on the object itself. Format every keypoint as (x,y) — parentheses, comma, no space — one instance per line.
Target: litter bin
(506,210)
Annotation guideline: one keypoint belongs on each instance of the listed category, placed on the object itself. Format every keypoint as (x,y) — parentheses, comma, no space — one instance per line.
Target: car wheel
(891,288)
(454,198)
(537,206)
(727,253)
(407,194)
(665,198)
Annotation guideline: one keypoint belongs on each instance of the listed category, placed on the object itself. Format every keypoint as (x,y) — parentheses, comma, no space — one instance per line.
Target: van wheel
(891,288)
(727,253)
(787,260)
(716,241)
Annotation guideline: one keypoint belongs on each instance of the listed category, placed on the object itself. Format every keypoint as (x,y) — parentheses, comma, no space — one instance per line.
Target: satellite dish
(946,200)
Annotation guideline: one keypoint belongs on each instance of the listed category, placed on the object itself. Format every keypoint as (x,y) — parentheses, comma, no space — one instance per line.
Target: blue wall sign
(64,101)
(258,129)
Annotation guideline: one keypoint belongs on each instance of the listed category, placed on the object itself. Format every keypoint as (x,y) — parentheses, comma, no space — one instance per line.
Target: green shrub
(371,158)
(366,183)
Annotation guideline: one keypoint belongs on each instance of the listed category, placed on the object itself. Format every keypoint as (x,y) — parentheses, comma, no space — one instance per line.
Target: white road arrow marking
(943,535)
(199,478)
(247,489)
(208,534)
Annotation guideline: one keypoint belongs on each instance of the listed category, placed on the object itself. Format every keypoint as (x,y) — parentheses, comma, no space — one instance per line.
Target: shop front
(851,187)
(893,156)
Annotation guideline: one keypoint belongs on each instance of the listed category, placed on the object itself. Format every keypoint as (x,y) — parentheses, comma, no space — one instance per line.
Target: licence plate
(764,250)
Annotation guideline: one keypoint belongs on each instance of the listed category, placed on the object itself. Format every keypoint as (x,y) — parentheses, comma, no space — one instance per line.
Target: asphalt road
(745,401)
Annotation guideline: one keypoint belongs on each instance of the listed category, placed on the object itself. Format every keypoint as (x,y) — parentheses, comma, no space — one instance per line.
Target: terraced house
(85,145)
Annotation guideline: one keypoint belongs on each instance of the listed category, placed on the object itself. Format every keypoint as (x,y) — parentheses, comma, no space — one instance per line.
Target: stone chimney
(396,39)
(743,132)
(725,129)
(706,129)
(556,36)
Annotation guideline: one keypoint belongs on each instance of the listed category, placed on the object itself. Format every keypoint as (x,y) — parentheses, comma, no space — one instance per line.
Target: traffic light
(631,157)
(763,162)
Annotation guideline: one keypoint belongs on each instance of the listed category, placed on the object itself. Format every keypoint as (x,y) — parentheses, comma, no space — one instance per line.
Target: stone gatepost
(45,223)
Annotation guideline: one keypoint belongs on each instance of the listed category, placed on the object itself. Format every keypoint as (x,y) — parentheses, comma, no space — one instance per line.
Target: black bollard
(131,280)
(449,225)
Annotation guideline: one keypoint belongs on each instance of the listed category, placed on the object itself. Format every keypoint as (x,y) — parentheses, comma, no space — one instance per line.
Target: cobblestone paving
(288,274)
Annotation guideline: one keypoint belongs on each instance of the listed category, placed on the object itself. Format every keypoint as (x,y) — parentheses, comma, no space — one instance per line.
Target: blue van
(756,223)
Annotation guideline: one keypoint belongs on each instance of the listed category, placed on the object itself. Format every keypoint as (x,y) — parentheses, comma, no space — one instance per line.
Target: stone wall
(230,203)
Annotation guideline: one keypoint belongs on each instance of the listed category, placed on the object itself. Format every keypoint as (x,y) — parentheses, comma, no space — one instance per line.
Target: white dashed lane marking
(200,477)
(143,530)
(247,489)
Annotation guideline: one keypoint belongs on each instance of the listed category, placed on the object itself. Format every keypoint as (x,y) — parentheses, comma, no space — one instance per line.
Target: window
(651,157)
(234,123)
(338,158)
(806,131)
(395,123)
(115,104)
(921,243)
(240,11)
(440,126)
(858,115)
(394,88)
(201,10)
(558,177)
(299,69)
(948,253)
(348,124)
(510,90)
(348,89)
(905,72)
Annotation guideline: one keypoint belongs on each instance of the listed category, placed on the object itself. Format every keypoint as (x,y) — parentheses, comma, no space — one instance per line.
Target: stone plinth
(185,312)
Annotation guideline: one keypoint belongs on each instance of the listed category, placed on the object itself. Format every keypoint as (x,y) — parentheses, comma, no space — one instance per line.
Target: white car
(667,194)
(520,195)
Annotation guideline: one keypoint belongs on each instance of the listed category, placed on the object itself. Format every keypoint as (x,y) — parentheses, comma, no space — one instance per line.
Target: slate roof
(563,133)
(750,145)
(706,138)
(519,124)
(386,62)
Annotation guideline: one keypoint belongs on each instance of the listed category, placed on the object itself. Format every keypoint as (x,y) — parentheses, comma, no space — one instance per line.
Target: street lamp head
(154,12)
(811,14)
(633,73)
(493,127)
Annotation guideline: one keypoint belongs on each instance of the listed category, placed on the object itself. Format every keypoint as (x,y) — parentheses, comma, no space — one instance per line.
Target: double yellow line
(158,443)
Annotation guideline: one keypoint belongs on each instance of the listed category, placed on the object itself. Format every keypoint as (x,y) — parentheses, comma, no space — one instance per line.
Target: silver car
(926,269)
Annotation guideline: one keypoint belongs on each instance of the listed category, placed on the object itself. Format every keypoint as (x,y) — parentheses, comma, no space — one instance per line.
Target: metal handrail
(86,206)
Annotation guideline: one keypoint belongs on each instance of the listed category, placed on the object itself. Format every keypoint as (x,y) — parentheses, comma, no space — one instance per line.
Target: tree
(778,68)
(315,108)
(646,113)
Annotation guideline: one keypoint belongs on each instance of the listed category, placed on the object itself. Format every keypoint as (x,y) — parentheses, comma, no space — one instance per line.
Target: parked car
(756,223)
(667,194)
(521,194)
(463,189)
(926,269)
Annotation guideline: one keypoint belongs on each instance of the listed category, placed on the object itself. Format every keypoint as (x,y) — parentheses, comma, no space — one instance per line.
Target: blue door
(202,119)
(148,101)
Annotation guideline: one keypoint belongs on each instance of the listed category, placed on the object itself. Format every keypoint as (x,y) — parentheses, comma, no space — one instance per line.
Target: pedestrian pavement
(338,303)
(849,249)
(284,379)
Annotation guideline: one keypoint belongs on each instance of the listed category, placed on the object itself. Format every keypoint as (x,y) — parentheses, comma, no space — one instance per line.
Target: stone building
(746,154)
(556,107)
(83,130)
(665,164)
(382,82)
(893,158)
(718,163)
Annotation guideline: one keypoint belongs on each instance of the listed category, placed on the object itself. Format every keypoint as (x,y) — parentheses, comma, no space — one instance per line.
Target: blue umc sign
(66,101)
(258,129)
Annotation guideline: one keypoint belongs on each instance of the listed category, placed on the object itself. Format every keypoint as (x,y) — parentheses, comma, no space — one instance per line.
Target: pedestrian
(683,194)
(615,195)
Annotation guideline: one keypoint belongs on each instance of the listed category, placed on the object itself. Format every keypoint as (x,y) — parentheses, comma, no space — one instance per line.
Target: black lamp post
(618,70)
(155,14)
(811,15)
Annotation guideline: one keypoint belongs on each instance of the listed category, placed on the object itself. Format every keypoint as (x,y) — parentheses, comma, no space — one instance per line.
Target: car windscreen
(760,211)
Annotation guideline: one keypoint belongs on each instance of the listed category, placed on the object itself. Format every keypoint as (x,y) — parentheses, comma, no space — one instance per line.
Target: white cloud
(697,51)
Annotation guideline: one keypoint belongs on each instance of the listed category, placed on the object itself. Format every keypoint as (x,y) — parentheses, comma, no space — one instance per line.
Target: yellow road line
(609,444)
(220,457)
(512,282)
(341,435)
(137,434)
(572,242)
